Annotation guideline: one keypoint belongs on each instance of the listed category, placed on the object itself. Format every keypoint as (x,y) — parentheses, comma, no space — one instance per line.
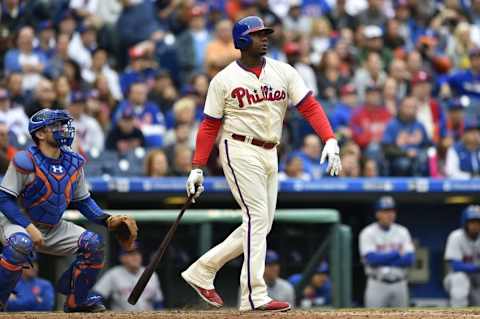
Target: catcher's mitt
(125,230)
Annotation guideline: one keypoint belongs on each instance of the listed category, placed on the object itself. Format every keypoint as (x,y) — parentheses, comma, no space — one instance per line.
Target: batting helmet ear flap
(244,41)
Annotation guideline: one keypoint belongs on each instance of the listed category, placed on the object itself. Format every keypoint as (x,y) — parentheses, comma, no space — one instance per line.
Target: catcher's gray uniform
(117,284)
(61,239)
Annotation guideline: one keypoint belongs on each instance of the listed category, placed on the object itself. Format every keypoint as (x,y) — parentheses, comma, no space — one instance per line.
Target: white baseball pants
(251,173)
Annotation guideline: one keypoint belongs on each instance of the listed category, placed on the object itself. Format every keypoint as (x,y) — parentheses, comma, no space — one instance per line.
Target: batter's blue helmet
(48,117)
(470,213)
(385,203)
(244,27)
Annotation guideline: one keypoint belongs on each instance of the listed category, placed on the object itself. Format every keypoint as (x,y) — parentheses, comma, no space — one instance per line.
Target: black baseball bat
(157,257)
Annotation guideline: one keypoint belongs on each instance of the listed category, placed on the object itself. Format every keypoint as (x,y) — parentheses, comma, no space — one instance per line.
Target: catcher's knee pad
(17,253)
(90,248)
(18,249)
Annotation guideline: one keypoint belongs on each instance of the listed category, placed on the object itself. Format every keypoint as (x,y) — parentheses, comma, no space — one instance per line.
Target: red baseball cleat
(210,296)
(275,306)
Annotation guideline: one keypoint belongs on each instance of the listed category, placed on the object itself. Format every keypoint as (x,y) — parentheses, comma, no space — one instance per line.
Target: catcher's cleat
(274,306)
(210,296)
(93,304)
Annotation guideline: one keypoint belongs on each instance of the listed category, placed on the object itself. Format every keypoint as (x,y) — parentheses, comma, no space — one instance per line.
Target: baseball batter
(48,178)
(248,99)
(387,251)
(463,256)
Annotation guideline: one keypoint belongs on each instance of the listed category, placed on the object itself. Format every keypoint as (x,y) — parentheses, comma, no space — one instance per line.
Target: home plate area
(214,314)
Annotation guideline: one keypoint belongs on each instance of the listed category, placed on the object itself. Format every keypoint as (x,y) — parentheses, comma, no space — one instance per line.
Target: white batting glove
(195,183)
(331,151)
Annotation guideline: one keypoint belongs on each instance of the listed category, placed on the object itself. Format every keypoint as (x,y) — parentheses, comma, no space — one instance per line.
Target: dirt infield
(473,313)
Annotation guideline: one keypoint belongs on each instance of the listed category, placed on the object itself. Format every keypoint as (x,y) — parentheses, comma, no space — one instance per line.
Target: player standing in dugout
(249,99)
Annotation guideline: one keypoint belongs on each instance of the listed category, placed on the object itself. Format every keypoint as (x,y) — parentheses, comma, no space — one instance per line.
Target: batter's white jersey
(377,240)
(254,106)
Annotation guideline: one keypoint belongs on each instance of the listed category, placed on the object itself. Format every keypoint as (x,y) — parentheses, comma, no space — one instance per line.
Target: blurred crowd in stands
(399,80)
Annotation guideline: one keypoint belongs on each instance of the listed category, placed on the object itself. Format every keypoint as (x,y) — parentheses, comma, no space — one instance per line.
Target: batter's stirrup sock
(9,276)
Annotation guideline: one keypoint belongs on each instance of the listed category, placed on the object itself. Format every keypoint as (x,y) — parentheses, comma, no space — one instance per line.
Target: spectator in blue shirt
(24,59)
(137,23)
(463,158)
(140,69)
(467,82)
(455,118)
(405,142)
(310,156)
(340,118)
(293,170)
(32,293)
(46,37)
(148,117)
(191,45)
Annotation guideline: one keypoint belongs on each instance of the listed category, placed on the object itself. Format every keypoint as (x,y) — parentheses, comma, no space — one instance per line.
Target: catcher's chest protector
(49,194)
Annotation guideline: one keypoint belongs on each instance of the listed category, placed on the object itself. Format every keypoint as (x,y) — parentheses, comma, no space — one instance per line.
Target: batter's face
(259,45)
(386,217)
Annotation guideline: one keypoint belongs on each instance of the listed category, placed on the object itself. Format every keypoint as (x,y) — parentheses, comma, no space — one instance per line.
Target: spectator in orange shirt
(220,51)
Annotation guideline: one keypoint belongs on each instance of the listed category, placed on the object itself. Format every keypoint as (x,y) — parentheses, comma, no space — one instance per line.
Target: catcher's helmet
(47,117)
(244,27)
(470,213)
(385,203)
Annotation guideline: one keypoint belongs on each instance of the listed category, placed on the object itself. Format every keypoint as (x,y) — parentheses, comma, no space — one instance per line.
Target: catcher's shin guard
(80,277)
(17,252)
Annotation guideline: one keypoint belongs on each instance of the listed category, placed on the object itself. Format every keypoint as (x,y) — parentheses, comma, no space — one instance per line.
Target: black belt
(254,141)
(387,280)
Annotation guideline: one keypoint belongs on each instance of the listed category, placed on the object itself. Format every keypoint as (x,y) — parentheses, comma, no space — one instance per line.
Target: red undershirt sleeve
(313,112)
(206,136)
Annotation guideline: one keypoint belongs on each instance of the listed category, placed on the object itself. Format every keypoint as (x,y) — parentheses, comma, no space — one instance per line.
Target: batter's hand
(331,151)
(36,235)
(195,183)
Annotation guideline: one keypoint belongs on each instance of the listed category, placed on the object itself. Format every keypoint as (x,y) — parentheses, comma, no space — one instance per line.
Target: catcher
(49,177)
